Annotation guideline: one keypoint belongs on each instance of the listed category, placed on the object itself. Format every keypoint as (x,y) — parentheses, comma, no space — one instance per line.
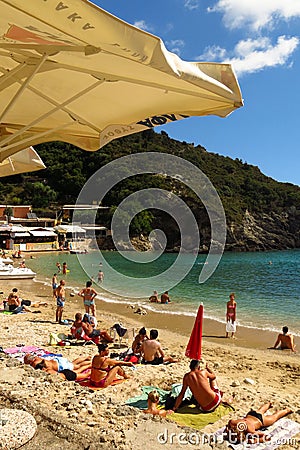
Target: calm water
(266,284)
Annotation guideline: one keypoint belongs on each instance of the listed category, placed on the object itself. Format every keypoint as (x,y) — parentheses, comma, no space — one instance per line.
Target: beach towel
(88,384)
(281,433)
(19,351)
(190,416)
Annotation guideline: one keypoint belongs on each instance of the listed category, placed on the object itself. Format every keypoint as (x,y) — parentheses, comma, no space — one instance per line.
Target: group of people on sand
(206,396)
(15,304)
(164,298)
(201,380)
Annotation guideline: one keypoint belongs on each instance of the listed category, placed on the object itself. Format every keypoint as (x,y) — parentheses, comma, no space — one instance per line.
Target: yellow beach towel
(190,416)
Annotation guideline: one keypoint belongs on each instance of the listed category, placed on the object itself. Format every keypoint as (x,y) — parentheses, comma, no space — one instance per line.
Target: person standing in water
(231,316)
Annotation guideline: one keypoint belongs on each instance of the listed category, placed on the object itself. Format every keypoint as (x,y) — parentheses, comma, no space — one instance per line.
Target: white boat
(8,272)
(6,261)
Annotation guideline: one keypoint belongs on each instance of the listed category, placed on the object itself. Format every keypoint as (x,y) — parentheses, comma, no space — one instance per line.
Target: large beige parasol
(72,72)
(26,160)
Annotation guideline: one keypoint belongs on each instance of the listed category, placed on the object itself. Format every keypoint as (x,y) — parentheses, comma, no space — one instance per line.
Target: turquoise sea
(266,284)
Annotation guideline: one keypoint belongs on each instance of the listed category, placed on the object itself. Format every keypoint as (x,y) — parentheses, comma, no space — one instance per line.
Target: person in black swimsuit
(248,427)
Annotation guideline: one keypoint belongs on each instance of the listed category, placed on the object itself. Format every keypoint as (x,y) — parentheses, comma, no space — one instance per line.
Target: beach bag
(131,358)
(53,339)
(230,327)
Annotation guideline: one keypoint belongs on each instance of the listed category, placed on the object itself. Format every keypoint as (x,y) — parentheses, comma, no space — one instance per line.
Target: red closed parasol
(194,347)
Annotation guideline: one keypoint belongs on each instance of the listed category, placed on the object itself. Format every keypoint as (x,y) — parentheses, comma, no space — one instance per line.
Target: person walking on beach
(88,294)
(285,340)
(58,267)
(202,382)
(54,285)
(231,316)
(60,300)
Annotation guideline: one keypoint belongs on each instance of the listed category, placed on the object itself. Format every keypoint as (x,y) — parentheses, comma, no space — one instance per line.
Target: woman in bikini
(231,316)
(104,369)
(89,294)
(247,428)
(138,340)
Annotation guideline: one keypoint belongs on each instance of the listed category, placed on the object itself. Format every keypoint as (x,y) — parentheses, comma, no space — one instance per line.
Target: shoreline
(181,325)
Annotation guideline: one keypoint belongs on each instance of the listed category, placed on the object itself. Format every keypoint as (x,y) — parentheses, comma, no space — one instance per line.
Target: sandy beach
(60,407)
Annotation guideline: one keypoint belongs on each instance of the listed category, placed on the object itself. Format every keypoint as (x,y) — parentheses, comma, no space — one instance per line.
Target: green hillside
(241,187)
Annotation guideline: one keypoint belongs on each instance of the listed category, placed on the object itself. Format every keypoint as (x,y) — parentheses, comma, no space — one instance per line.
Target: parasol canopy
(194,347)
(26,160)
(72,72)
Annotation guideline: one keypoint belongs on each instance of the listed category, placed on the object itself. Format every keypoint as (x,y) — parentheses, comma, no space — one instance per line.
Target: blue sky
(260,38)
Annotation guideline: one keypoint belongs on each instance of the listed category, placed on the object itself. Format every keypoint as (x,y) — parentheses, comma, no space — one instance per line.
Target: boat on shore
(6,261)
(8,272)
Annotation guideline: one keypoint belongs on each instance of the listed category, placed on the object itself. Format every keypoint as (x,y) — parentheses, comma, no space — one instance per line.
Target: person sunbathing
(58,364)
(105,369)
(152,352)
(83,328)
(153,401)
(248,427)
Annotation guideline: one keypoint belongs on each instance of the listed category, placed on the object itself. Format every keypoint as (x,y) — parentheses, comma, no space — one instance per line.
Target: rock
(16,428)
(249,381)
(235,383)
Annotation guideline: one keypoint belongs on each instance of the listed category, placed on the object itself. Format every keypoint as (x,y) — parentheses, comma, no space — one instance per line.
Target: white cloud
(255,55)
(191,4)
(213,53)
(175,46)
(143,25)
(256,13)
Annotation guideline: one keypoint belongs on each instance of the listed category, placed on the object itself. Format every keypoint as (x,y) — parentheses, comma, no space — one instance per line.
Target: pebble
(17,428)
(235,383)
(249,381)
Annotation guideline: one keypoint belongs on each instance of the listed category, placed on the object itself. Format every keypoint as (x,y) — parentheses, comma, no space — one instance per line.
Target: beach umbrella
(72,72)
(26,160)
(194,347)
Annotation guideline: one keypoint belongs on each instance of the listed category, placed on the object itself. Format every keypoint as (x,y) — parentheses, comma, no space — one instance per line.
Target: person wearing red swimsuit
(231,316)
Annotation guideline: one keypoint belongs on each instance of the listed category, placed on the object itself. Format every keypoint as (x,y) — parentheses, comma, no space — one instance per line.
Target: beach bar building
(18,237)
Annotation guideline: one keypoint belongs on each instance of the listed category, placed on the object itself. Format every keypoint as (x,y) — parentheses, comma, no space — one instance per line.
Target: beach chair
(120,334)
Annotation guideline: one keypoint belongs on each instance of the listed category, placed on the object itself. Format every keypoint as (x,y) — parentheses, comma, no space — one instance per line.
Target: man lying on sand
(202,382)
(60,365)
(285,340)
(152,352)
(247,428)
